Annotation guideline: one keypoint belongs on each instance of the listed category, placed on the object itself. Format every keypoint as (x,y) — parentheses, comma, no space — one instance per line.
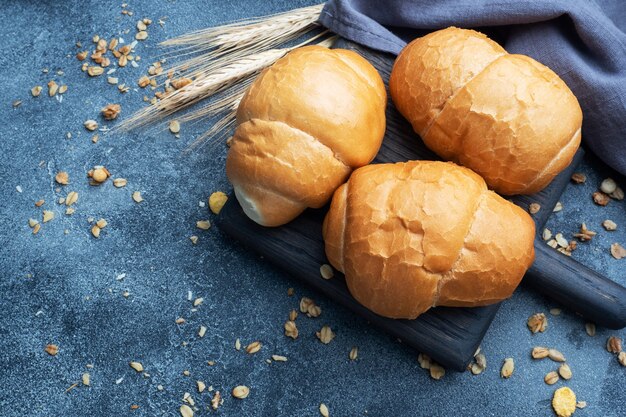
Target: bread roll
(303,125)
(507,117)
(415,235)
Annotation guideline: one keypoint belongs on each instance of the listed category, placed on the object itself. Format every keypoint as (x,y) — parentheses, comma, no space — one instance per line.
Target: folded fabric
(584,41)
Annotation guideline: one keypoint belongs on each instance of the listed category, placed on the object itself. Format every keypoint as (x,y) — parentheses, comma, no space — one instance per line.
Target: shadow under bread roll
(415,235)
(303,125)
(507,117)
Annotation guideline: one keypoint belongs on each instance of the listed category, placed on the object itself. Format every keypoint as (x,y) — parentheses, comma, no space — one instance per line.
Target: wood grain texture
(449,335)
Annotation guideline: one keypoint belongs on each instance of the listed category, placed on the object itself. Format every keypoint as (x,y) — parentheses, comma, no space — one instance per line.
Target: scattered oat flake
(201,386)
(194,239)
(579,178)
(555,311)
(62,178)
(557,207)
(621,358)
(581,404)
(203,224)
(215,401)
(618,251)
(279,358)
(238,344)
(325,335)
(537,323)
(90,125)
(354,353)
(18,188)
(174,126)
(565,371)
(293,315)
(120,182)
(609,225)
(590,328)
(436,371)
(202,331)
(36,90)
(186,411)
(555,355)
(95,231)
(86,379)
(424,361)
(600,198)
(614,344)
(564,402)
(141,35)
(324,410)
(111,111)
(241,392)
(52,349)
(291,330)
(546,235)
(551,378)
(47,215)
(540,352)
(137,366)
(254,347)
(137,197)
(198,301)
(507,368)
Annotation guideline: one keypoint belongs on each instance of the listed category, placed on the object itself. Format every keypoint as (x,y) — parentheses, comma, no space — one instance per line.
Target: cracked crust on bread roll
(507,117)
(303,125)
(415,235)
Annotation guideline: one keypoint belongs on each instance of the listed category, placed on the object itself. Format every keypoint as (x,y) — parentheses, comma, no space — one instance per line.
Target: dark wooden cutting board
(449,335)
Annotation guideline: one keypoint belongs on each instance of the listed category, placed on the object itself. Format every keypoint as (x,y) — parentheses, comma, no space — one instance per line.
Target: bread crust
(507,117)
(411,236)
(302,126)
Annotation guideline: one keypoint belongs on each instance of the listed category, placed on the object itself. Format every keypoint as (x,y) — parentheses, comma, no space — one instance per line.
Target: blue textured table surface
(62,286)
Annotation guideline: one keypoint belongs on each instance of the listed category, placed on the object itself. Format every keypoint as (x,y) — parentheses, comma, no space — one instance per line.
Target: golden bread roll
(303,125)
(507,117)
(415,235)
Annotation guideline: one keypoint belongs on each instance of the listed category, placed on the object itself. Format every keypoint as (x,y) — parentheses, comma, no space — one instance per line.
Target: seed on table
(186,411)
(279,358)
(52,349)
(590,328)
(556,356)
(90,125)
(52,88)
(581,404)
(354,353)
(507,368)
(201,386)
(436,371)
(609,225)
(614,344)
(111,111)
(137,366)
(618,251)
(39,203)
(546,235)
(241,392)
(99,174)
(424,361)
(120,182)
(174,126)
(537,322)
(203,224)
(194,239)
(62,178)
(202,331)
(254,347)
(565,371)
(138,199)
(551,378)
(238,344)
(324,410)
(325,335)
(579,178)
(48,215)
(291,330)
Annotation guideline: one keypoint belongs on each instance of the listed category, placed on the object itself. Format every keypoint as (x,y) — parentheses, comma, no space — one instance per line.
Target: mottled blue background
(62,288)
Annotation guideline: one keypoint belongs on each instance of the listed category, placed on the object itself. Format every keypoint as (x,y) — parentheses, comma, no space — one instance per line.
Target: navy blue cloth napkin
(584,41)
